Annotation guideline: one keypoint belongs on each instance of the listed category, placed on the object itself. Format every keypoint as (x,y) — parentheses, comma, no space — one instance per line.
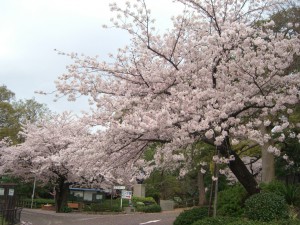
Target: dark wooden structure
(9,212)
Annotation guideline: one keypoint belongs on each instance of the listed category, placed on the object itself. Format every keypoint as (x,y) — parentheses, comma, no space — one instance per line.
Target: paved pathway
(42,217)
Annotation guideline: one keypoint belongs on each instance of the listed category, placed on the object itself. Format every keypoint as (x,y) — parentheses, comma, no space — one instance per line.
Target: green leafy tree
(30,110)
(288,166)
(13,113)
(287,21)
(9,124)
(162,185)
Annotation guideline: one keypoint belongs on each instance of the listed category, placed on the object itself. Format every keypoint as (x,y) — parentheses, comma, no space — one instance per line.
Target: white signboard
(126,194)
(99,197)
(1,191)
(11,192)
(119,187)
(88,196)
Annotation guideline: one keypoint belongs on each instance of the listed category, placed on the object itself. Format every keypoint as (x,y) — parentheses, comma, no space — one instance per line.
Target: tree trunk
(239,169)
(201,188)
(268,165)
(268,162)
(61,195)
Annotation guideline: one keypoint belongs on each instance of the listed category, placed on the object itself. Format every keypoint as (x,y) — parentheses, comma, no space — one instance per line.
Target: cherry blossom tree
(56,150)
(212,77)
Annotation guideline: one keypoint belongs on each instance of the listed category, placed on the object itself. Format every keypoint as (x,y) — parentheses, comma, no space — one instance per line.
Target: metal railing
(27,204)
(10,216)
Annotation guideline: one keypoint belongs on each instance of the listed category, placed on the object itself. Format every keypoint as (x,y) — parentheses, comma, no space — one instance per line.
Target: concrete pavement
(42,217)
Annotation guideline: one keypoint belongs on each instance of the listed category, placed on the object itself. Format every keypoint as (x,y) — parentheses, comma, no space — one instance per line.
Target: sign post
(121,202)
(120,188)
(126,194)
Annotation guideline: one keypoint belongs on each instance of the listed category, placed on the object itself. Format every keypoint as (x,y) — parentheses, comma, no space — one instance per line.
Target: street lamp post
(33,192)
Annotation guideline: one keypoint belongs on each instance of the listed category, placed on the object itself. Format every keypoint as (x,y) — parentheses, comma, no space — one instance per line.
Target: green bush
(94,207)
(104,206)
(219,220)
(38,202)
(147,201)
(266,207)
(66,209)
(240,221)
(288,222)
(147,204)
(291,193)
(149,208)
(275,186)
(101,208)
(137,204)
(248,222)
(230,201)
(253,222)
(188,217)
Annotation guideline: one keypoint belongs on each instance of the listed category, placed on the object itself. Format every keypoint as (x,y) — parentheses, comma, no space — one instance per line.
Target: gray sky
(30,30)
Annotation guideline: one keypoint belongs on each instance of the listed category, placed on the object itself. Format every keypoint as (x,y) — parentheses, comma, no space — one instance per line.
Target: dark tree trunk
(239,169)
(201,188)
(61,195)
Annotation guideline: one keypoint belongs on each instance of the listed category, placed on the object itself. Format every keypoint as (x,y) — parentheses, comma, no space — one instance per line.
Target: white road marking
(90,218)
(152,221)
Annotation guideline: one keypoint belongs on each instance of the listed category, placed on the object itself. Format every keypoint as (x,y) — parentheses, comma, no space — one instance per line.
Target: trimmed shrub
(241,221)
(146,201)
(231,200)
(188,217)
(149,208)
(248,222)
(288,222)
(139,204)
(219,220)
(105,206)
(66,209)
(291,192)
(94,207)
(275,186)
(147,205)
(266,207)
(253,222)
(38,202)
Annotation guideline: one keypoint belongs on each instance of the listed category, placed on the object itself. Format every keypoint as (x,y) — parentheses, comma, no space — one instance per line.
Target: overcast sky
(30,30)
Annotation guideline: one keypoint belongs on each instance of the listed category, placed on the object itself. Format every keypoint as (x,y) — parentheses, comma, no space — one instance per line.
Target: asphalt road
(42,217)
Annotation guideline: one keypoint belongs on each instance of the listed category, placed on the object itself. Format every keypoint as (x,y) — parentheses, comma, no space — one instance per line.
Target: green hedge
(266,207)
(249,222)
(253,222)
(37,202)
(231,200)
(241,221)
(106,206)
(219,220)
(188,217)
(145,204)
(291,192)
(275,186)
(149,208)
(67,209)
(145,200)
(288,222)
